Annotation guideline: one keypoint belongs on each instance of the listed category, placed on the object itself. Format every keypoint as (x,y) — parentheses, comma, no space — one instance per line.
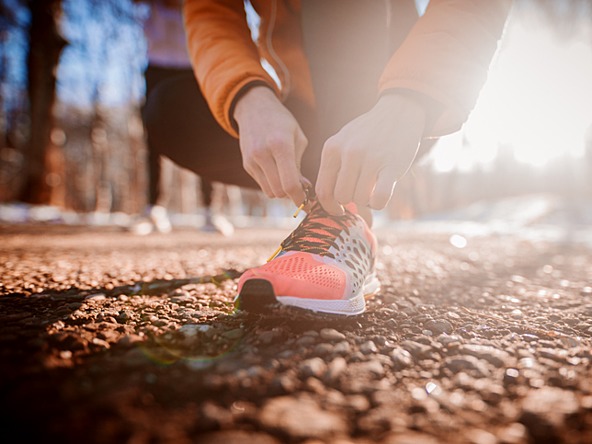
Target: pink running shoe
(325,265)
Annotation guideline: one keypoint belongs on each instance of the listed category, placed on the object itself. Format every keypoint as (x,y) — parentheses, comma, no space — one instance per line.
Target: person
(168,62)
(355,88)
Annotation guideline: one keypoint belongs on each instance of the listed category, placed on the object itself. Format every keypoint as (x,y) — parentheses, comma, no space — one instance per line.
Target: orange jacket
(445,56)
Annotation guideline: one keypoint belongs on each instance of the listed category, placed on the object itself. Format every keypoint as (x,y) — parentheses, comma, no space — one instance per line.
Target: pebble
(494,356)
(283,384)
(517,314)
(368,347)
(323,349)
(335,369)
(514,433)
(469,364)
(551,402)
(301,418)
(446,340)
(479,436)
(370,369)
(439,326)
(95,297)
(401,358)
(544,410)
(330,334)
(313,367)
(306,340)
(342,348)
(417,350)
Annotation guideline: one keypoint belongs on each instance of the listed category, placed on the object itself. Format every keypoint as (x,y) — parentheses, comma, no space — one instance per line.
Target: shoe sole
(258,296)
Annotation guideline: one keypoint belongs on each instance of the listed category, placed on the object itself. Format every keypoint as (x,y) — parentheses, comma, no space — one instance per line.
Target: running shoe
(327,264)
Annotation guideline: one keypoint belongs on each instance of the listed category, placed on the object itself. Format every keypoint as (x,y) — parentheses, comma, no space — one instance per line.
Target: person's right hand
(271,143)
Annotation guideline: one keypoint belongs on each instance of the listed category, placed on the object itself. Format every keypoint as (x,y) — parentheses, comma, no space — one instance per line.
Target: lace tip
(298,210)
(275,253)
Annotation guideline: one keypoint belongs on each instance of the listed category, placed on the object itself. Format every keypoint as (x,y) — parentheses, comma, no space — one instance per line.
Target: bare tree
(45,46)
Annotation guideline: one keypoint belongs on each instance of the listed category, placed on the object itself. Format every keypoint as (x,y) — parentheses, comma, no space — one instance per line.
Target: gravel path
(108,338)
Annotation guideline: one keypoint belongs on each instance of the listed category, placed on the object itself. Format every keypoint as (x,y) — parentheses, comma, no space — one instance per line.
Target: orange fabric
(445,56)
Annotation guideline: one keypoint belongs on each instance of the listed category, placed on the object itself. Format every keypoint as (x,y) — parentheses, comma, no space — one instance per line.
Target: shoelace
(317,233)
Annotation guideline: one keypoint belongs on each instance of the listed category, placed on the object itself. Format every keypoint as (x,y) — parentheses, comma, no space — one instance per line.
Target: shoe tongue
(352,208)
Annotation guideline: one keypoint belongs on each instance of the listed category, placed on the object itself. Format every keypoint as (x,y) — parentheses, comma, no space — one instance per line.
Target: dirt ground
(110,338)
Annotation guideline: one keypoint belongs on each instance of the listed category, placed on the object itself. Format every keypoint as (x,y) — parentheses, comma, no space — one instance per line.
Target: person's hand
(363,161)
(271,143)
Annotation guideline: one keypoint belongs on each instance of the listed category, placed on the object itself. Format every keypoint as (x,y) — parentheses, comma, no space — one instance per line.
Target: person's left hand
(363,161)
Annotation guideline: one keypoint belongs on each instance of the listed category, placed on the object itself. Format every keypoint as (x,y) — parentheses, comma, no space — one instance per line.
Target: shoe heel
(256,296)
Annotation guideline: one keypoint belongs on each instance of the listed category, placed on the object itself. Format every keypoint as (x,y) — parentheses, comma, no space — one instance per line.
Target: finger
(256,173)
(383,191)
(347,179)
(269,169)
(326,179)
(290,182)
(289,170)
(365,186)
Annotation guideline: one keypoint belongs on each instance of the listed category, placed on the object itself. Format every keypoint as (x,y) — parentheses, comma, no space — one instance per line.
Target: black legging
(347,43)
(154,116)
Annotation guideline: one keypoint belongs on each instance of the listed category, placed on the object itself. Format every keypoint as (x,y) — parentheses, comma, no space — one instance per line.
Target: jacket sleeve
(224,57)
(446,56)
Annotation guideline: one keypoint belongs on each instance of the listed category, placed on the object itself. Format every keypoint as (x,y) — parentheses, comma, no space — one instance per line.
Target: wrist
(249,98)
(431,108)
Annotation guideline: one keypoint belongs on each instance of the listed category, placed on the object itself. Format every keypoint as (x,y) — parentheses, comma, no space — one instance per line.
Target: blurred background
(72,146)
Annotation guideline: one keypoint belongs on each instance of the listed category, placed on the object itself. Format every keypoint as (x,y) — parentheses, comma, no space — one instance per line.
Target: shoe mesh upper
(300,267)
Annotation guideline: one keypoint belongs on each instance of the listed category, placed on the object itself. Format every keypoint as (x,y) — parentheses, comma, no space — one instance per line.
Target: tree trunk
(45,46)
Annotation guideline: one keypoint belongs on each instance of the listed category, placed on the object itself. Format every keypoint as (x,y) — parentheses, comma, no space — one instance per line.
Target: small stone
(401,358)
(478,436)
(301,418)
(283,384)
(95,297)
(417,350)
(313,367)
(66,354)
(446,340)
(358,403)
(342,348)
(306,340)
(101,343)
(335,369)
(323,349)
(267,337)
(368,348)
(517,314)
(371,369)
(215,415)
(130,339)
(330,334)
(469,364)
(439,326)
(490,354)
(552,402)
(511,376)
(514,433)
